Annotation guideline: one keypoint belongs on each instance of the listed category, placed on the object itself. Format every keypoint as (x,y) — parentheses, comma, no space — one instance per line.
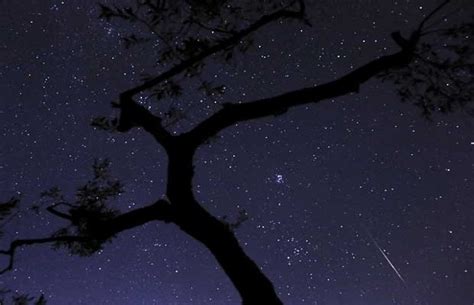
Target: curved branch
(431,14)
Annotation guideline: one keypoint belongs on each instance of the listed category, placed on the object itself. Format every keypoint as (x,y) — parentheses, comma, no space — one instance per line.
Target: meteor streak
(386,257)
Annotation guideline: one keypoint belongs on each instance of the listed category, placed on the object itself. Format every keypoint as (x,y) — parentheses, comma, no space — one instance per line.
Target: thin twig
(433,12)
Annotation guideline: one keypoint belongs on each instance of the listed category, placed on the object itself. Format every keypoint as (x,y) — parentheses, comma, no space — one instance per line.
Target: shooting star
(386,257)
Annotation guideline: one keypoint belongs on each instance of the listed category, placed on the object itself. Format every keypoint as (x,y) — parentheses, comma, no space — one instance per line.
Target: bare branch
(161,210)
(431,14)
(26,242)
(52,210)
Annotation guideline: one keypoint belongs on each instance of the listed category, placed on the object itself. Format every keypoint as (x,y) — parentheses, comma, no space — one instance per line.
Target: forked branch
(134,115)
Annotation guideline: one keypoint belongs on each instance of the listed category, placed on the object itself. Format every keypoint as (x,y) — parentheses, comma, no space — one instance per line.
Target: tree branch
(224,44)
(134,115)
(160,210)
(52,210)
(233,113)
(26,242)
(431,14)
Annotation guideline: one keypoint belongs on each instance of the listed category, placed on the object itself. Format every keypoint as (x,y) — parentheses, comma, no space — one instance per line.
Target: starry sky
(327,188)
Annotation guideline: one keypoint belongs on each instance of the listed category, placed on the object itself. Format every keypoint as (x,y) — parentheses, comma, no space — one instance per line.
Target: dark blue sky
(316,182)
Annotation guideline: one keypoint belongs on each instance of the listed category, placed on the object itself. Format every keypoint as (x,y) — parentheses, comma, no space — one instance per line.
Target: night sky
(325,186)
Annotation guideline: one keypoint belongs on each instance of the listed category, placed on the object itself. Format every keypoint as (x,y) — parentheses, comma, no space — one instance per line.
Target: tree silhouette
(433,69)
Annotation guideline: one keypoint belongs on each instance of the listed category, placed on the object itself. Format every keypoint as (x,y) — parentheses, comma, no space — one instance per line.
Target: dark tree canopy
(439,78)
(432,69)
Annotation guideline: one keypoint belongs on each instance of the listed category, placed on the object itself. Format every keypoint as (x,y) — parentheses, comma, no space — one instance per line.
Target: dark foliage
(88,211)
(440,79)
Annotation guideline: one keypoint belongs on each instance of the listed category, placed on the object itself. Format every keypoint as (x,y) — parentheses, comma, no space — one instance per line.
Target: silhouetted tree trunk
(253,286)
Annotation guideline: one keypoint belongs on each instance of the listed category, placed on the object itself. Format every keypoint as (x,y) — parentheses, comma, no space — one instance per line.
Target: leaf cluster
(440,79)
(88,211)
